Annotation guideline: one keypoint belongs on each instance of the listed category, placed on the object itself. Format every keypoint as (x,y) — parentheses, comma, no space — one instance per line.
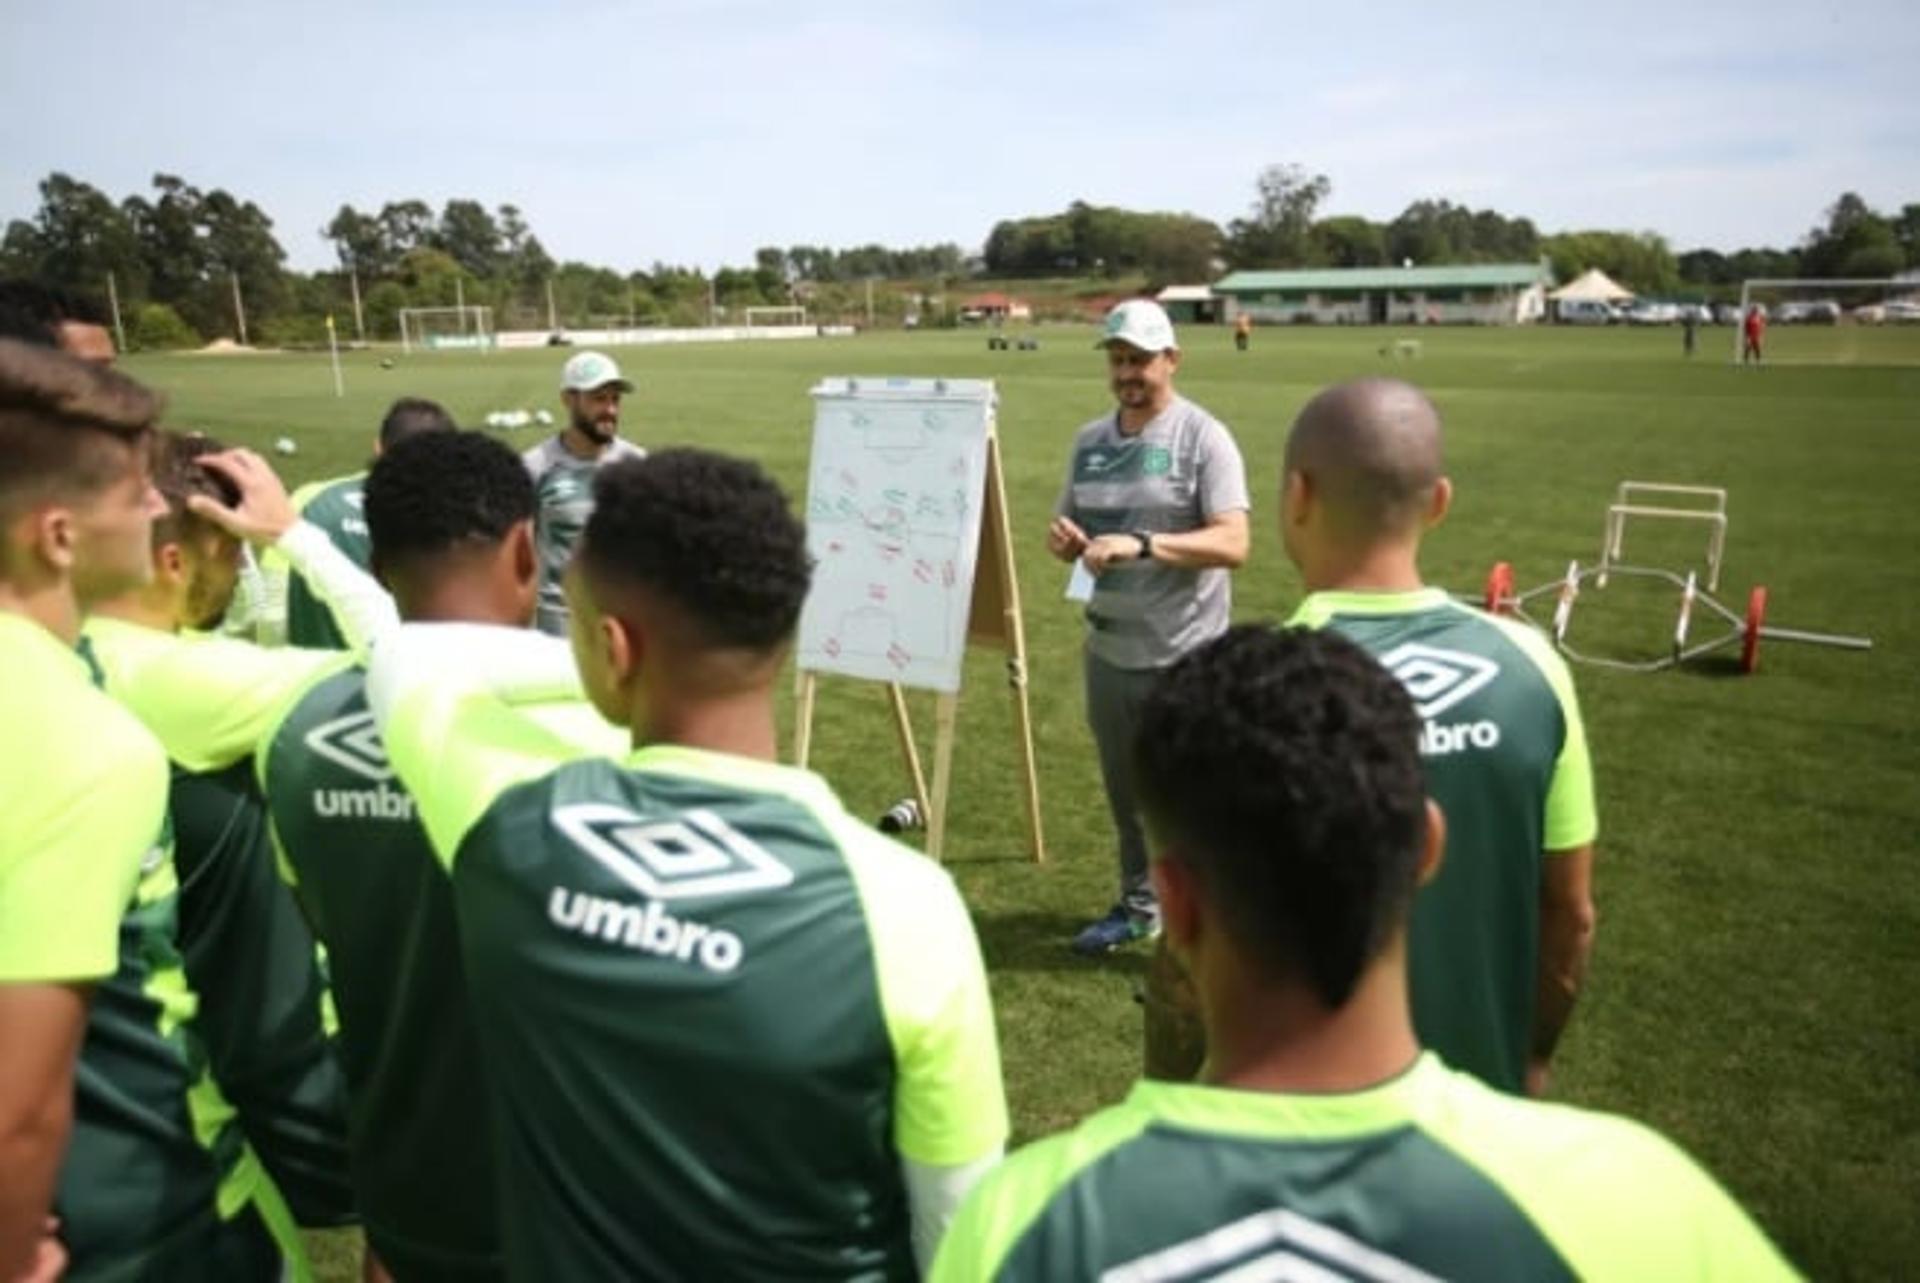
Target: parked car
(1726,314)
(1586,311)
(1903,311)
(1699,312)
(1650,312)
(1822,311)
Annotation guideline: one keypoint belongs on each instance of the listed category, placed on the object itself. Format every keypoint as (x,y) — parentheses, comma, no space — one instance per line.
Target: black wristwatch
(1146,544)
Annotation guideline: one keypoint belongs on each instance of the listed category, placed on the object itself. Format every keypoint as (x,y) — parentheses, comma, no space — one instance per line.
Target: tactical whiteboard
(895,494)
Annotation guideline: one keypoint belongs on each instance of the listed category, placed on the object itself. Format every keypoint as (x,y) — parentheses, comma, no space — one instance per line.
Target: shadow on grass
(1026,941)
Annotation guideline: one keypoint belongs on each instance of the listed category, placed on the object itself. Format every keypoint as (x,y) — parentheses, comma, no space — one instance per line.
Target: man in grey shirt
(563,466)
(1155,506)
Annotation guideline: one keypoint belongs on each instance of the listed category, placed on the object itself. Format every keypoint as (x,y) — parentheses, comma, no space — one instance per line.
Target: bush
(157,327)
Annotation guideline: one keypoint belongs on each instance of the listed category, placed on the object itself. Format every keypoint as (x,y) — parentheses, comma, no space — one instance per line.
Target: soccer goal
(435,329)
(1827,321)
(759,316)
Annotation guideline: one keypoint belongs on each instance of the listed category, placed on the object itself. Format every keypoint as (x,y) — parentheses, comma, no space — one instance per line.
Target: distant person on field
(1242,331)
(1499,940)
(730,1030)
(83,786)
(1689,330)
(563,467)
(1155,508)
(1282,784)
(49,316)
(1754,333)
(334,506)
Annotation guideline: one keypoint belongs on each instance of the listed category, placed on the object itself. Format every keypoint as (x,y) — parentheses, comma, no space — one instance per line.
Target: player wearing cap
(83,786)
(1155,507)
(563,466)
(1283,788)
(451,522)
(732,1031)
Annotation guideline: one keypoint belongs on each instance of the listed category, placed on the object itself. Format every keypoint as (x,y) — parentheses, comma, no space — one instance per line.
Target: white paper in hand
(1080,582)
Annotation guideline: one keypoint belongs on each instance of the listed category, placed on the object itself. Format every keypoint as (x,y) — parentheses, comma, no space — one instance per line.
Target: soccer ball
(285,445)
(386,363)
(542,418)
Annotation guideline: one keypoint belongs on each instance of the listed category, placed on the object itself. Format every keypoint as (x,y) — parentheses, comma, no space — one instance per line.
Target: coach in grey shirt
(1155,507)
(563,466)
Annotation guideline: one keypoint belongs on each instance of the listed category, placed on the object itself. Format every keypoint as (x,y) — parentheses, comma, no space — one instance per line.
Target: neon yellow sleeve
(1572,819)
(443,696)
(210,700)
(80,810)
(949,1104)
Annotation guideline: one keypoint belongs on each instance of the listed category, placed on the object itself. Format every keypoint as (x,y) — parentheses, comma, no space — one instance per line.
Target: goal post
(435,329)
(1840,301)
(756,317)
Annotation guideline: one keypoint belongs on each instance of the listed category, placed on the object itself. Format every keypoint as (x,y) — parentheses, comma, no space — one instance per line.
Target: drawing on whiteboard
(893,522)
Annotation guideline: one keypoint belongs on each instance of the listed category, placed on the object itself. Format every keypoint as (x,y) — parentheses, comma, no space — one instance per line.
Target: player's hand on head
(264,512)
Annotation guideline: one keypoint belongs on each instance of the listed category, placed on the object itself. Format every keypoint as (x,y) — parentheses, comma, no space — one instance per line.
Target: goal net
(1834,321)
(758,316)
(435,329)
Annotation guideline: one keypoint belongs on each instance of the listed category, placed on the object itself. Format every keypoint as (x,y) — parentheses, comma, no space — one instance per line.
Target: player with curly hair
(731,1031)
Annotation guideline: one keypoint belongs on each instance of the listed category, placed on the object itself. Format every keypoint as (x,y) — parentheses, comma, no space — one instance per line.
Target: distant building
(1190,303)
(994,306)
(1462,294)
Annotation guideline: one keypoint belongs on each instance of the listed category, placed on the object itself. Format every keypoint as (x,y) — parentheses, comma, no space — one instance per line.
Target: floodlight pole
(239,309)
(869,302)
(460,301)
(359,321)
(552,316)
(113,301)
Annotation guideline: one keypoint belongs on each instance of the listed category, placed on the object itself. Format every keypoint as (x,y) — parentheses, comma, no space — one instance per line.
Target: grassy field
(1755,989)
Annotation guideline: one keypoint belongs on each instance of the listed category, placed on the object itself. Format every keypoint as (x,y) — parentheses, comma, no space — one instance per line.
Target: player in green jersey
(1500,939)
(1282,786)
(276,605)
(250,957)
(76,505)
(731,1031)
(451,522)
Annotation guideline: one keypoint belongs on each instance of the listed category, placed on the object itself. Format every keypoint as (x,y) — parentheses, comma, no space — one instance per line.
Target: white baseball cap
(590,370)
(1140,322)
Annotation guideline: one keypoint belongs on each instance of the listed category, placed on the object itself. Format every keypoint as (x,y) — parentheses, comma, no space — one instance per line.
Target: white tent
(1592,284)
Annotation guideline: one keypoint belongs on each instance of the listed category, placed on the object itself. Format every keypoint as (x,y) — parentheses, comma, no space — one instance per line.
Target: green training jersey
(252,960)
(1506,757)
(83,793)
(158,1181)
(717,1011)
(336,507)
(355,850)
(1431,1175)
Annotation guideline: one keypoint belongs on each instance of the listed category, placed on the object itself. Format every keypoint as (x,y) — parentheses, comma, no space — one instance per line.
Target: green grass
(1754,986)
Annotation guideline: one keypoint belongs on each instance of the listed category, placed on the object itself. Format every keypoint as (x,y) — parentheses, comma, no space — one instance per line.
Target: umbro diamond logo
(354,742)
(1275,1244)
(1438,679)
(695,854)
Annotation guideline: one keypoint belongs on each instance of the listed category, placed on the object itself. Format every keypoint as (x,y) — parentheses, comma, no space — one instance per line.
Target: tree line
(188,264)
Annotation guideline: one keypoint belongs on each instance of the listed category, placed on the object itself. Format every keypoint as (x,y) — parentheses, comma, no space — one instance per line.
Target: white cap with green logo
(1142,323)
(590,370)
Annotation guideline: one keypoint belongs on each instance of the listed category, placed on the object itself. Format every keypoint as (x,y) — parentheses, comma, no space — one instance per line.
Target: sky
(690,132)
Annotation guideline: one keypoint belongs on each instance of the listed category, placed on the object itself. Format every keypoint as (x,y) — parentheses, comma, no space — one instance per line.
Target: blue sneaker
(1118,929)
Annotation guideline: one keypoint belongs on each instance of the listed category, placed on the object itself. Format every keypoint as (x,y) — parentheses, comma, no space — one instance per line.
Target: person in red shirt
(1756,330)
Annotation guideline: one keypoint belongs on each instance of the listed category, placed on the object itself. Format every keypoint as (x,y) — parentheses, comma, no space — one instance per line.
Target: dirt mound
(226,347)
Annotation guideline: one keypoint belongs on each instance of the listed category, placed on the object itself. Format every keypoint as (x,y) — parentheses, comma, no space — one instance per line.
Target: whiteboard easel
(903,471)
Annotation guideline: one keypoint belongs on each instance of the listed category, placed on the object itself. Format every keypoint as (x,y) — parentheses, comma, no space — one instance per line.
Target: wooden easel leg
(903,726)
(1029,766)
(945,712)
(804,690)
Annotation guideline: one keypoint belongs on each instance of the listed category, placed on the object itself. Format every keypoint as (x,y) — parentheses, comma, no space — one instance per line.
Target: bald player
(1499,940)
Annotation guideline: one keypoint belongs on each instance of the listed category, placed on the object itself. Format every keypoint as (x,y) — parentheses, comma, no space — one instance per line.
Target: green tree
(1276,232)
(467,234)
(1349,241)
(360,242)
(157,327)
(77,237)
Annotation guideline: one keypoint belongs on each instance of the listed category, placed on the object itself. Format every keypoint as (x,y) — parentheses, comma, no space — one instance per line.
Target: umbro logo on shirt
(694,854)
(1275,1244)
(353,742)
(1437,679)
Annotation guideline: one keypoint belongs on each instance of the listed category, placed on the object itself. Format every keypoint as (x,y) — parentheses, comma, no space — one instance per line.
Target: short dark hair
(430,494)
(34,311)
(177,473)
(411,415)
(712,534)
(55,411)
(1283,767)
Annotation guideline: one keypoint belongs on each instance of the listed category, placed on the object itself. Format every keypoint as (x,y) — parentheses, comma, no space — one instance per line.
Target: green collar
(1294,1116)
(1319,607)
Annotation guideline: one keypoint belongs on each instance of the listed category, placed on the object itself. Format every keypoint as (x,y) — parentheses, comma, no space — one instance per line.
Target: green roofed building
(1461,294)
